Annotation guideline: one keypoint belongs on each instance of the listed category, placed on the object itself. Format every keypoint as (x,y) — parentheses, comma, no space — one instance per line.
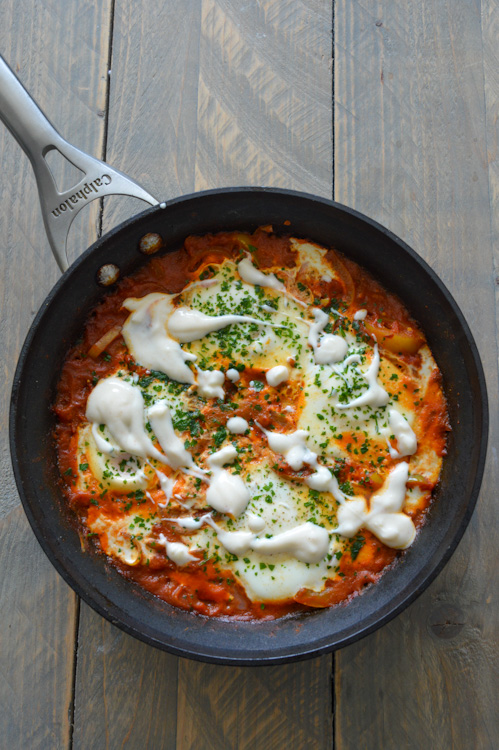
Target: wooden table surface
(388,106)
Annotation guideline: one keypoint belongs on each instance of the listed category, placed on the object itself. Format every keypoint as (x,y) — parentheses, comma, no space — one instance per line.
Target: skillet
(59,323)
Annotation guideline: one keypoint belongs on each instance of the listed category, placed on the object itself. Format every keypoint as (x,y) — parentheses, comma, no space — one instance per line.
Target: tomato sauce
(201,586)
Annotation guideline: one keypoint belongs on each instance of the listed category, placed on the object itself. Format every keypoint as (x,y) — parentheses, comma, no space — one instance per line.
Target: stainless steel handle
(37,136)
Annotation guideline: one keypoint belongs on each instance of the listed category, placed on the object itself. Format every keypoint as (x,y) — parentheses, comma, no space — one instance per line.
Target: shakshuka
(250,426)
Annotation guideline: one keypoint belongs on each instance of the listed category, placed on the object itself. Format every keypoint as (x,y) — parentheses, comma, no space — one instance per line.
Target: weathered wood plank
(264,113)
(490,31)
(59,51)
(126,692)
(411,151)
(264,117)
(153,100)
(220,708)
(275,128)
(36,642)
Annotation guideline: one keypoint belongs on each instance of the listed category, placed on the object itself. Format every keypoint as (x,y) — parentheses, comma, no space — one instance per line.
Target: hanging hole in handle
(64,172)
(119,208)
(84,230)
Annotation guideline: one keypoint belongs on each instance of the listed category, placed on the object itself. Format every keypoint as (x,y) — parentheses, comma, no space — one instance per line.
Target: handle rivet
(150,243)
(108,274)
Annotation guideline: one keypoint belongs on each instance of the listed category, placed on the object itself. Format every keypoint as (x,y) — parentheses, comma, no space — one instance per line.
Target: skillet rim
(417,585)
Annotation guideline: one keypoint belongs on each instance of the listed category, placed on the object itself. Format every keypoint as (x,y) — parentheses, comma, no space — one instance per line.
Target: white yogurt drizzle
(255,523)
(178,552)
(186,324)
(353,358)
(146,337)
(161,421)
(407,443)
(153,333)
(120,407)
(232,374)
(330,348)
(308,542)
(166,484)
(227,492)
(277,375)
(385,518)
(103,444)
(190,523)
(294,449)
(251,275)
(155,329)
(360,315)
(210,382)
(290,445)
(375,396)
(237,425)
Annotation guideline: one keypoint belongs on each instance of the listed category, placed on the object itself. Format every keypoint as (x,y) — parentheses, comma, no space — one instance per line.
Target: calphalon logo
(81,195)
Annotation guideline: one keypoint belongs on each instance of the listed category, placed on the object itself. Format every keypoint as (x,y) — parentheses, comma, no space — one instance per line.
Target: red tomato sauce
(203,587)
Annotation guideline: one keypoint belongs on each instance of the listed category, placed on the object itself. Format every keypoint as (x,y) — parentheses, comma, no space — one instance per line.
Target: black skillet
(60,321)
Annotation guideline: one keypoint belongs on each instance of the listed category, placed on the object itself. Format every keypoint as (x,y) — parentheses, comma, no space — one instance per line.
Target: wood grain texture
(126,692)
(36,642)
(220,708)
(129,690)
(411,151)
(267,67)
(490,31)
(264,117)
(207,93)
(264,99)
(59,51)
(153,99)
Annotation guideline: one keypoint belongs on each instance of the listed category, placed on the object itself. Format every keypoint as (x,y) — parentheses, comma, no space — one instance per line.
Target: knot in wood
(446,621)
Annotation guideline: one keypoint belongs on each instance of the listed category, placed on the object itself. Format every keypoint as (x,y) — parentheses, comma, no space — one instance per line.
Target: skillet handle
(37,136)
